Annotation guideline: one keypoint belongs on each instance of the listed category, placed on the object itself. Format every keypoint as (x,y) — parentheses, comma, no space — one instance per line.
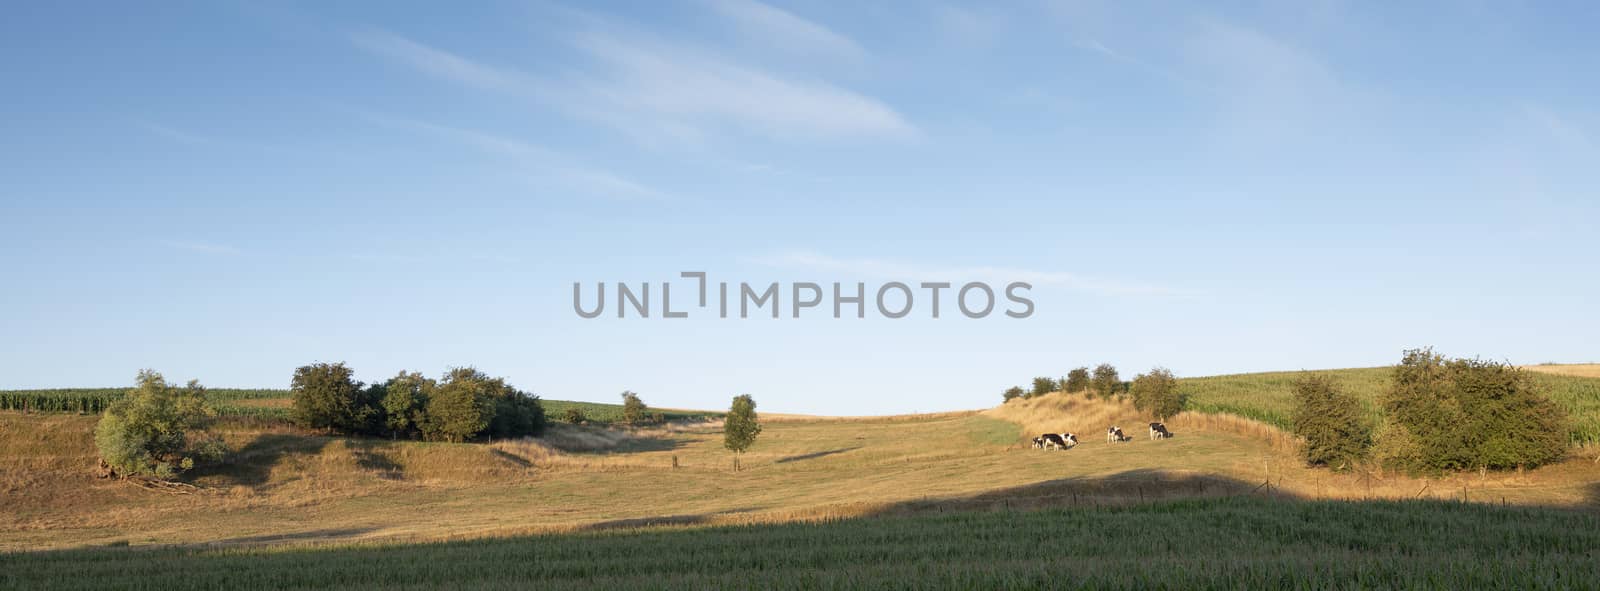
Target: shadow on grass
(367,458)
(252,464)
(304,536)
(814,455)
(520,461)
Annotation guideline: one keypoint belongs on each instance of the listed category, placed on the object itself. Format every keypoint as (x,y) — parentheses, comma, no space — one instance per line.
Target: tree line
(464,404)
(1154,393)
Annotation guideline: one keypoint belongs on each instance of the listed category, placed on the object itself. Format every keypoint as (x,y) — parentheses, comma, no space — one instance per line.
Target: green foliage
(1225,543)
(1077,380)
(151,430)
(1042,386)
(1465,413)
(601,413)
(573,416)
(327,396)
(633,408)
(1013,393)
(97,400)
(1105,381)
(1156,393)
(461,406)
(1337,431)
(405,403)
(741,426)
(516,414)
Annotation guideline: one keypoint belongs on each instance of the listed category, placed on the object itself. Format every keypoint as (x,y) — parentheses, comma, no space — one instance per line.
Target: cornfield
(96,400)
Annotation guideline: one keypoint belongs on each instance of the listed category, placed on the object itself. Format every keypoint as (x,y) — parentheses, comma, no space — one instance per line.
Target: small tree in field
(1077,380)
(1336,431)
(405,403)
(1105,382)
(1042,386)
(740,428)
(1013,393)
(1156,393)
(633,408)
(1462,414)
(151,430)
(327,396)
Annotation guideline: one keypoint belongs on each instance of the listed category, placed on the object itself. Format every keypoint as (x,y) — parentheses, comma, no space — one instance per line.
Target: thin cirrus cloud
(898,271)
(775,27)
(664,90)
(538,162)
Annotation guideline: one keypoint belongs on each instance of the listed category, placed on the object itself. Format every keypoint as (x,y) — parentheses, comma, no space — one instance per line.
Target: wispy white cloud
(532,159)
(784,30)
(664,92)
(437,62)
(898,271)
(174,134)
(204,247)
(681,84)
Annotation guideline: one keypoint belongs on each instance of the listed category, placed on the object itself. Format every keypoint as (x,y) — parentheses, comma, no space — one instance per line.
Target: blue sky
(226,190)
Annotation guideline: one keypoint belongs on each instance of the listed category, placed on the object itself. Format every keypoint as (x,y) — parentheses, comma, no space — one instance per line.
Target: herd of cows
(1113,435)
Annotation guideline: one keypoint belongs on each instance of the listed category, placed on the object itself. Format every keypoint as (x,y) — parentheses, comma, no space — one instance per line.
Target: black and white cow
(1114,433)
(1158,430)
(1051,441)
(1038,443)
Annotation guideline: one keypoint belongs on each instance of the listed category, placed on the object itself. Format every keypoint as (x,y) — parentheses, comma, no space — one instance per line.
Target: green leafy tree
(1337,432)
(740,428)
(153,430)
(327,396)
(460,406)
(1077,380)
(1156,393)
(1042,386)
(1465,413)
(1105,382)
(573,415)
(405,403)
(1013,393)
(633,408)
(516,413)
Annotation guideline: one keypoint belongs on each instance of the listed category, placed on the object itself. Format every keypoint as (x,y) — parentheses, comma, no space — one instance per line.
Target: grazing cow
(1158,430)
(1114,433)
(1038,443)
(1052,441)
(1070,439)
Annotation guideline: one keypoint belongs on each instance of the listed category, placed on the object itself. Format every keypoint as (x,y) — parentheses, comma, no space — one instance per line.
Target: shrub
(1042,386)
(573,415)
(405,403)
(1156,393)
(740,427)
(1077,380)
(1105,382)
(1336,429)
(460,407)
(516,414)
(633,408)
(1012,393)
(326,396)
(1467,413)
(151,430)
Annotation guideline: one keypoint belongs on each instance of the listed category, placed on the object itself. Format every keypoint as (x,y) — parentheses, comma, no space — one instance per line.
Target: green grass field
(1267,397)
(1228,543)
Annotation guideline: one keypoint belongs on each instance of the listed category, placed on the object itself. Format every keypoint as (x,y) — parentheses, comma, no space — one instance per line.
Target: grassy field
(1233,543)
(1268,397)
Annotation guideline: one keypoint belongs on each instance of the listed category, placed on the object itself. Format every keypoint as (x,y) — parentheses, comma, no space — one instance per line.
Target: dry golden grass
(1582,370)
(286,486)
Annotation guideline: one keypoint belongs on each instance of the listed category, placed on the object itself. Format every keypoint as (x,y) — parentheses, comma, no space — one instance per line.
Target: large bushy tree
(1077,380)
(1042,386)
(405,403)
(468,403)
(1156,393)
(1466,413)
(1105,381)
(740,428)
(154,429)
(327,396)
(1337,431)
(1013,393)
